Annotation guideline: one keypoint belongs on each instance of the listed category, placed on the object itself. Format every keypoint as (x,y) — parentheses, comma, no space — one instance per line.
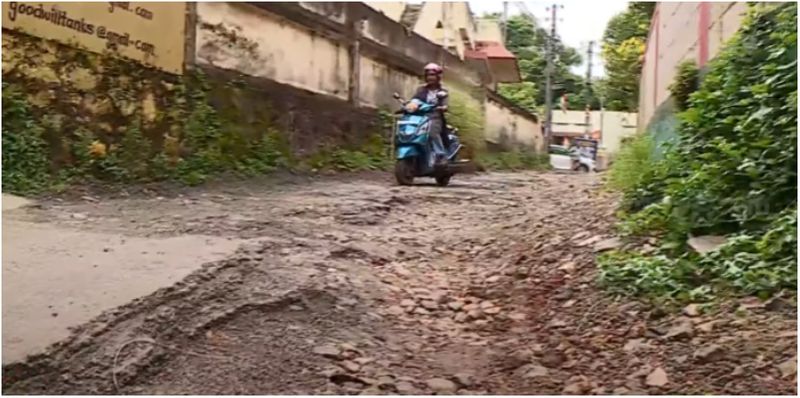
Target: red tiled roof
(475,54)
(493,49)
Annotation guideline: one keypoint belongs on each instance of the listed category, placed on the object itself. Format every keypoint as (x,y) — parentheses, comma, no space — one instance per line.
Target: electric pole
(505,22)
(444,34)
(588,93)
(549,76)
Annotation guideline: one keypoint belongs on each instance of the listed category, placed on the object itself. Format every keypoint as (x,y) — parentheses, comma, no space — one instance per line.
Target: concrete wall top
(386,39)
(392,9)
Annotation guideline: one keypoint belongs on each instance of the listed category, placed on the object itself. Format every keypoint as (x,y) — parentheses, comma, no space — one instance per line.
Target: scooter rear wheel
(404,171)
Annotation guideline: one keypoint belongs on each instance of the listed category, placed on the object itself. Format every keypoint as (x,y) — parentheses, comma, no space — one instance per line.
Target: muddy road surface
(357,286)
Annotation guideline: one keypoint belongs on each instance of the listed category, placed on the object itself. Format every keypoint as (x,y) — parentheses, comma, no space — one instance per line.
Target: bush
(732,171)
(686,82)
(760,264)
(631,165)
(25,152)
(466,114)
(514,160)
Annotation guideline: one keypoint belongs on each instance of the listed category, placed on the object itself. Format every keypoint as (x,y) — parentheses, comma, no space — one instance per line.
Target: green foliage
(733,172)
(209,144)
(466,114)
(371,156)
(751,265)
(25,152)
(523,94)
(514,160)
(623,49)
(631,163)
(202,136)
(686,82)
(349,160)
(528,41)
(739,137)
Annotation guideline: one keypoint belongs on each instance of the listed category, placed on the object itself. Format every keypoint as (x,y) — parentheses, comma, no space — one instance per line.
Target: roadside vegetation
(731,174)
(514,160)
(55,136)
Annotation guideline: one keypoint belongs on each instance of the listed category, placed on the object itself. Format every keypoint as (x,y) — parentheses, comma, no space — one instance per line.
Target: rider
(428,93)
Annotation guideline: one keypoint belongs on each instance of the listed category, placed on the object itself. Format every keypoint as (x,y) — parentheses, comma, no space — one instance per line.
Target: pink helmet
(432,67)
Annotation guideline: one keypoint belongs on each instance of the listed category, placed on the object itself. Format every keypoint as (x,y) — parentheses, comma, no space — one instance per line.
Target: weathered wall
(392,9)
(282,69)
(508,128)
(86,101)
(390,57)
(381,38)
(254,42)
(379,81)
(682,31)
(308,122)
(77,95)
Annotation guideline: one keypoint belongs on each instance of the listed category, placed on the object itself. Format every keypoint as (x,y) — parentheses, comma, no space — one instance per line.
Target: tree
(528,42)
(623,50)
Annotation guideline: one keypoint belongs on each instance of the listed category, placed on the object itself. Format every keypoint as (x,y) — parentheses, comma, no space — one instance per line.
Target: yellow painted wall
(378,82)
(489,30)
(506,128)
(151,33)
(270,47)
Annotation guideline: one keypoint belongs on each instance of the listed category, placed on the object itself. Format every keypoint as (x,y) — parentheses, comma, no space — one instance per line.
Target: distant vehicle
(573,159)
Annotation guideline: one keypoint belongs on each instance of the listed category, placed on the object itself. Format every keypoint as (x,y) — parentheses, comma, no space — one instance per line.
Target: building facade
(609,128)
(679,32)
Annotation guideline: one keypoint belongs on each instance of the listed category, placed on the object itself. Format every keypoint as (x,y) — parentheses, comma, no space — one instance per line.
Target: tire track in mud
(360,287)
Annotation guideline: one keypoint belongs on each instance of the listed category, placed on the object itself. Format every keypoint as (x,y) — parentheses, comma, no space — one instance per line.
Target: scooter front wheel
(404,171)
(443,180)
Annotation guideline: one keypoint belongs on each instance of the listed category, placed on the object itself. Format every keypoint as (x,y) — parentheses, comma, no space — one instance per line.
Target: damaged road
(349,286)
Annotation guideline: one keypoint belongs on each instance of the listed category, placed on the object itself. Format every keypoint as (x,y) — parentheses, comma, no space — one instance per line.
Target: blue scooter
(415,156)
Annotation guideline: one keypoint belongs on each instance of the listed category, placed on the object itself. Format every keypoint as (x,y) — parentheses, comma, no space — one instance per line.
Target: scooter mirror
(396,96)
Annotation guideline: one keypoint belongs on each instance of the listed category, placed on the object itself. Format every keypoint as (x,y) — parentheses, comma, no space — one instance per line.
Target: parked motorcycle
(414,152)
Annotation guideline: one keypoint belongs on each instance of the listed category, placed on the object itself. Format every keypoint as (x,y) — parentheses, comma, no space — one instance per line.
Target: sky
(579,22)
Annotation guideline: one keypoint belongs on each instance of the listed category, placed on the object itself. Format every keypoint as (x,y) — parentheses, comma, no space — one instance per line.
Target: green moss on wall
(71,116)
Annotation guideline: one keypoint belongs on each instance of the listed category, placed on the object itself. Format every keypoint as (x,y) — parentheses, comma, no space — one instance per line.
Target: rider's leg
(444,134)
(436,138)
